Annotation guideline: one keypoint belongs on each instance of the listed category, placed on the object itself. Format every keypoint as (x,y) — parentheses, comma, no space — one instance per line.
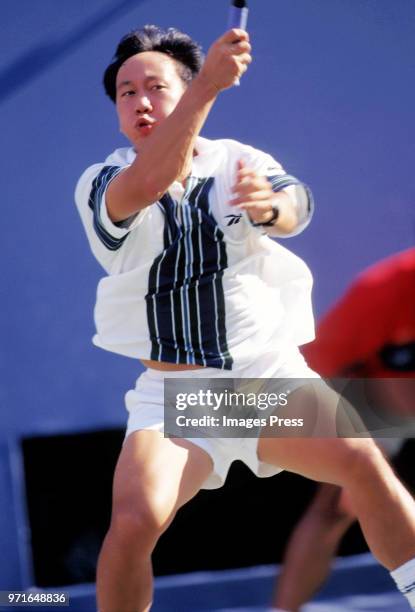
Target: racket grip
(237,18)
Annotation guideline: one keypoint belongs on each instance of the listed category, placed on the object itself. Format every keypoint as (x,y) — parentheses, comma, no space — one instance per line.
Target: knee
(137,527)
(349,460)
(364,462)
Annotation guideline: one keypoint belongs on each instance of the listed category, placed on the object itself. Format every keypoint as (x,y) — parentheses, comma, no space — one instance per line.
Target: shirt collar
(209,155)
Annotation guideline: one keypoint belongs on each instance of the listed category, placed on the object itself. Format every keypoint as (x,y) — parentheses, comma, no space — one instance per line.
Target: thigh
(155,475)
(319,454)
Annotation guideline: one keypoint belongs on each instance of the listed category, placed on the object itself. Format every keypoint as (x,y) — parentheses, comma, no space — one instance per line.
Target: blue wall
(330,93)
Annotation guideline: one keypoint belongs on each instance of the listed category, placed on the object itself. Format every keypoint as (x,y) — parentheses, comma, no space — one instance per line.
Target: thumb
(240,164)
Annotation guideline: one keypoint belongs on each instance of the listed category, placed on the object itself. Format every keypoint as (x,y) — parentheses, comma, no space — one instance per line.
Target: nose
(143,105)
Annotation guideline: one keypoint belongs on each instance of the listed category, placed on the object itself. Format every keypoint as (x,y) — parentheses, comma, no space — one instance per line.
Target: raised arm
(166,154)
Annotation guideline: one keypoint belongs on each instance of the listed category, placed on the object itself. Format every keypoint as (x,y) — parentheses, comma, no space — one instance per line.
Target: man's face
(148,88)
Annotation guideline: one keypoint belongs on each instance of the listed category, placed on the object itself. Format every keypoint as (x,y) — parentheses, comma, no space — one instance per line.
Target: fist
(252,193)
(227,60)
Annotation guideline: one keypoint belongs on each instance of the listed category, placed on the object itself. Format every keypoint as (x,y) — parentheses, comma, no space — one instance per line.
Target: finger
(255,211)
(245,173)
(234,35)
(243,58)
(239,62)
(251,194)
(248,186)
(243,62)
(240,166)
(259,198)
(250,206)
(252,182)
(239,47)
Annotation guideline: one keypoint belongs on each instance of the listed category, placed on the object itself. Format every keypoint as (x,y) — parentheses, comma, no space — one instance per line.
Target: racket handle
(238,18)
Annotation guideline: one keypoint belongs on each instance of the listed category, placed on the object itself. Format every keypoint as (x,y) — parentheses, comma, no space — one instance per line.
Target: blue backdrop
(330,94)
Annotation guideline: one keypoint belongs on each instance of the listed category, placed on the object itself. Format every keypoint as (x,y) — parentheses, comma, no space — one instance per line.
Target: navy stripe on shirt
(185,301)
(99,186)
(282,181)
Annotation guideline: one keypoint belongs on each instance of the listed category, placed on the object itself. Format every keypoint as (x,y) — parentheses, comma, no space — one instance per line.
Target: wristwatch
(270,222)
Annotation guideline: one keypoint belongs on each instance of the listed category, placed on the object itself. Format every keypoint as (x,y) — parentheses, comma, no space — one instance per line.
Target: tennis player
(196,287)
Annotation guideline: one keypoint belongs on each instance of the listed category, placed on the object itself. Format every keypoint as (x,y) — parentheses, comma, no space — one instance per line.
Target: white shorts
(145,404)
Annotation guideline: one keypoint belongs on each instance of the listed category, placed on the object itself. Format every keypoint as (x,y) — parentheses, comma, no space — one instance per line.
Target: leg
(154,477)
(380,502)
(311,548)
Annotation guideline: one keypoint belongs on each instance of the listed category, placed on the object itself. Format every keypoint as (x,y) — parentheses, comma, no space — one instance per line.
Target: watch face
(275,215)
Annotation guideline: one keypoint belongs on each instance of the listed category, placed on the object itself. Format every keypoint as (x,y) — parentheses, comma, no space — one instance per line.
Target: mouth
(144,125)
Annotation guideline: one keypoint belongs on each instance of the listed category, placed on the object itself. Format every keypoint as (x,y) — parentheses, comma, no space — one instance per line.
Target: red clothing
(371,330)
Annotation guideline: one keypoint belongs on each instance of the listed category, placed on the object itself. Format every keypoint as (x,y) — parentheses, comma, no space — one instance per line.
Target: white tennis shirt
(190,279)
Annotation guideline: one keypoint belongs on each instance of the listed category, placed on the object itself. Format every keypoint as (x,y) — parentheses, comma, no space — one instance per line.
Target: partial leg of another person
(154,477)
(384,508)
(312,547)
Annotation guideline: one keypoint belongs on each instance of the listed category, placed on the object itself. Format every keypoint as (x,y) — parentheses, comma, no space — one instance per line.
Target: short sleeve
(265,165)
(104,236)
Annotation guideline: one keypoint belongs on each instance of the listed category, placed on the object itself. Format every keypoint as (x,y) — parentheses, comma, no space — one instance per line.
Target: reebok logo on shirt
(233,219)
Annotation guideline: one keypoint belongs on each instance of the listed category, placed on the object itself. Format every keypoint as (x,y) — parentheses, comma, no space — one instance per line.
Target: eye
(158,86)
(129,92)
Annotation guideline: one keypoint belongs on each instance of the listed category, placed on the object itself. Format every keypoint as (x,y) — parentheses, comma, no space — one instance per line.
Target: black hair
(174,43)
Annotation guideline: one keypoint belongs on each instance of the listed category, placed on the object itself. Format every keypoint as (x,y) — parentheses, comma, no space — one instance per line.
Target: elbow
(156,183)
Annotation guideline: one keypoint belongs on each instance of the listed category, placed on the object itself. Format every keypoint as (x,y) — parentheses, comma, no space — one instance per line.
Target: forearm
(165,156)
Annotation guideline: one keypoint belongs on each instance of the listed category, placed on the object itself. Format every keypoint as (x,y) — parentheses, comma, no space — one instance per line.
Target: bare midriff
(163,365)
